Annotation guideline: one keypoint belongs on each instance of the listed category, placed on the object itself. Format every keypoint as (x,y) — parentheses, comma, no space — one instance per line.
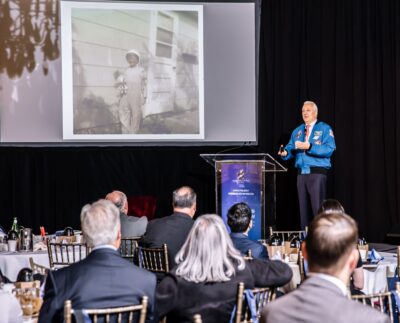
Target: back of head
(331,206)
(330,239)
(183,197)
(25,275)
(208,254)
(119,199)
(239,217)
(100,223)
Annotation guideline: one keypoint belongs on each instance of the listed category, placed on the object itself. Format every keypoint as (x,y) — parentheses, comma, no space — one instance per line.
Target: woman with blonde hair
(208,272)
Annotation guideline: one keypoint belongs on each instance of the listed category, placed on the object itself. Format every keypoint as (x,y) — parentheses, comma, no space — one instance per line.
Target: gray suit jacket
(318,300)
(132,226)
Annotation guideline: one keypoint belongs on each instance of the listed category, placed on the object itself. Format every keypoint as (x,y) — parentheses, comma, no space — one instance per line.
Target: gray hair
(208,254)
(313,104)
(100,223)
(183,197)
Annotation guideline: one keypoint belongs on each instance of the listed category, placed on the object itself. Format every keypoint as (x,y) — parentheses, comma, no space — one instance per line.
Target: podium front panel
(242,181)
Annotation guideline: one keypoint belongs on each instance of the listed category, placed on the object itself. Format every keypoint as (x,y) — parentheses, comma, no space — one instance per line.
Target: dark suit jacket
(318,300)
(103,279)
(243,244)
(181,299)
(172,230)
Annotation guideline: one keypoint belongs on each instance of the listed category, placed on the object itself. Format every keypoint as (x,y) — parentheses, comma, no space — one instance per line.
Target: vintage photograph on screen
(132,71)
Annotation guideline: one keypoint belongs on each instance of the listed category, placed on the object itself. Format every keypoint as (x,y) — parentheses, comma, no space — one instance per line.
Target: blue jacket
(322,147)
(243,244)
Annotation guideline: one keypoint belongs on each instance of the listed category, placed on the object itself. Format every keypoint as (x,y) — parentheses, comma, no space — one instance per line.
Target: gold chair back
(65,254)
(128,247)
(107,313)
(249,255)
(38,269)
(300,262)
(398,261)
(380,301)
(284,235)
(154,259)
(262,295)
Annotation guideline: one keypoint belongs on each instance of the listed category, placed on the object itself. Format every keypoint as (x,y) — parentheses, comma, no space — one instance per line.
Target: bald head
(119,199)
(330,240)
(184,200)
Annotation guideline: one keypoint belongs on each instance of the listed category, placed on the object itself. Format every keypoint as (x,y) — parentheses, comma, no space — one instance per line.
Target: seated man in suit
(240,223)
(103,279)
(331,251)
(173,229)
(131,226)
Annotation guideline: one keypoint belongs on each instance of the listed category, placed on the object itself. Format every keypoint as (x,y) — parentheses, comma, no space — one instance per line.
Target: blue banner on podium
(243,182)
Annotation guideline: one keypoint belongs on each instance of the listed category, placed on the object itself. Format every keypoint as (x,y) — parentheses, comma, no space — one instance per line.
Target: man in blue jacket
(311,144)
(240,222)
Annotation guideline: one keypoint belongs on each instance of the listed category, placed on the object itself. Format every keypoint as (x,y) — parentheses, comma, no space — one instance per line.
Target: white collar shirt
(334,280)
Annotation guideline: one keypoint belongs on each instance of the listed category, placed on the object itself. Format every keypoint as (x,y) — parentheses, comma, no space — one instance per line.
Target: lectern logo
(240,175)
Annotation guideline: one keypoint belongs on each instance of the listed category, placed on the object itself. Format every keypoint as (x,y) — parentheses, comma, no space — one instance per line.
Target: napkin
(39,246)
(277,256)
(374,256)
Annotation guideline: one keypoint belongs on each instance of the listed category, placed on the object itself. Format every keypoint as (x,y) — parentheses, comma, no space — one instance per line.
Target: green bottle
(15,225)
(13,233)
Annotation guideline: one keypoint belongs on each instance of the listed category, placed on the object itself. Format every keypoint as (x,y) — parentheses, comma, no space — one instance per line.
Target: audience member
(357,278)
(240,223)
(330,249)
(173,229)
(131,226)
(103,279)
(331,206)
(209,269)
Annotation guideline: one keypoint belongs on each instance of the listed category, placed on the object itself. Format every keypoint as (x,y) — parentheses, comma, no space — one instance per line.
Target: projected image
(132,71)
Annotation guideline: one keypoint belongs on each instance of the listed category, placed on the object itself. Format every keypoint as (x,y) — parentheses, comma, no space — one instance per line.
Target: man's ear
(353,259)
(250,224)
(126,207)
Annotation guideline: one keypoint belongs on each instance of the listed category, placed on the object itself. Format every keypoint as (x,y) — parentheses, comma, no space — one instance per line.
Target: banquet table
(375,276)
(12,262)
(296,279)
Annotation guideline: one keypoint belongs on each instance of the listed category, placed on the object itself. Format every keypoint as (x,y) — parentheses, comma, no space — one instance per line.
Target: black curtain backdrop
(345,56)
(342,54)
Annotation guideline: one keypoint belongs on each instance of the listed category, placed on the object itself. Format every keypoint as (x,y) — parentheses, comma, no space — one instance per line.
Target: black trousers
(311,190)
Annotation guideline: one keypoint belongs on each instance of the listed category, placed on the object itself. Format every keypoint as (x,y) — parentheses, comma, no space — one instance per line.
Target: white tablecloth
(12,262)
(295,278)
(375,277)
